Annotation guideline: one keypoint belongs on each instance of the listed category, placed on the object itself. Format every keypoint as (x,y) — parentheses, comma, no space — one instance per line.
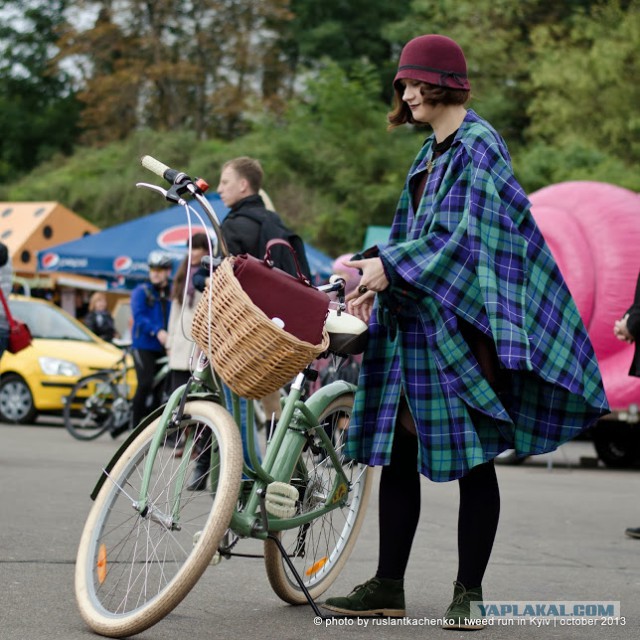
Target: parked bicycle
(102,401)
(148,538)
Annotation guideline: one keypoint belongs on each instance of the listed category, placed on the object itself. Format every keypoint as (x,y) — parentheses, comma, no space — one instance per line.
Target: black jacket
(101,323)
(240,232)
(633,325)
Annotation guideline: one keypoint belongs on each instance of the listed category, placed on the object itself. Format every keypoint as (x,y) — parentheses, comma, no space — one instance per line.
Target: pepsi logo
(177,238)
(50,260)
(122,263)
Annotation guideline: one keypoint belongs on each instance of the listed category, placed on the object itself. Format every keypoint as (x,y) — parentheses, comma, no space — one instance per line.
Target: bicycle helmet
(159,260)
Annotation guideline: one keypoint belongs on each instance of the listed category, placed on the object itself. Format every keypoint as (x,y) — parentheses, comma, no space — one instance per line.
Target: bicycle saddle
(347,334)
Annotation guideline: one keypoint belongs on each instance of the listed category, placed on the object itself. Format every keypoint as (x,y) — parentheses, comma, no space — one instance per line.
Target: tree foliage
(168,64)
(304,86)
(349,32)
(38,109)
(586,88)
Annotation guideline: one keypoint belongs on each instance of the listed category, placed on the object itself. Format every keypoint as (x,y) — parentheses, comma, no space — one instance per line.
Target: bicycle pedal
(280,500)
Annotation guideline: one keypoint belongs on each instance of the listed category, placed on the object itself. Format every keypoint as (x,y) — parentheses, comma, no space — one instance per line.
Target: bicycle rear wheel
(319,549)
(134,567)
(89,409)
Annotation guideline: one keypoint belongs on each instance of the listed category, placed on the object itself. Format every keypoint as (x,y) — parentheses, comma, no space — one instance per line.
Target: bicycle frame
(197,486)
(298,419)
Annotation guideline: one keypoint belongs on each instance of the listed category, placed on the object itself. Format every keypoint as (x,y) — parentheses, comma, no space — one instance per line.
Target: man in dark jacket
(249,225)
(628,330)
(239,187)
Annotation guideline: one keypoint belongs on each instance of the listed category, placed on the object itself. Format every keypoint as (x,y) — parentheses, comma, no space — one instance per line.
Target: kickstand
(296,575)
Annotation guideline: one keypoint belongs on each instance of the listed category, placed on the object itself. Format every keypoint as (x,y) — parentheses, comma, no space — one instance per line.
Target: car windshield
(47,322)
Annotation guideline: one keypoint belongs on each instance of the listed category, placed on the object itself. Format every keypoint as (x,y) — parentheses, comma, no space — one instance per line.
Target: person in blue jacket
(150,307)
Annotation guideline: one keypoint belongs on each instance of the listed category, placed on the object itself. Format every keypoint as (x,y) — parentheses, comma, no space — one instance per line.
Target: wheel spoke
(319,549)
(131,562)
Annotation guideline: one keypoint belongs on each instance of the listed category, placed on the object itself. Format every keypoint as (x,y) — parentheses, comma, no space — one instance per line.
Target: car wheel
(16,401)
(617,444)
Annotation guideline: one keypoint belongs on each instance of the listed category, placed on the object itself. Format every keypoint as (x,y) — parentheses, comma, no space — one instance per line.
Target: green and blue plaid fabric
(472,251)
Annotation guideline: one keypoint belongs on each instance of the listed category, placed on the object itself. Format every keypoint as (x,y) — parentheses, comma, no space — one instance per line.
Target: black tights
(399,511)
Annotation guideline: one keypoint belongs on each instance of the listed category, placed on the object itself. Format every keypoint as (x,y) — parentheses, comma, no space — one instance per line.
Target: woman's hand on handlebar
(361,304)
(374,279)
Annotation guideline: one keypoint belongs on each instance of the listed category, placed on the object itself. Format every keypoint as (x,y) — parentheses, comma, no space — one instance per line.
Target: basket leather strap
(269,262)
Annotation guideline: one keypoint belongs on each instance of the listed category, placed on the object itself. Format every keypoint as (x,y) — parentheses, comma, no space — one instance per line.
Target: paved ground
(560,539)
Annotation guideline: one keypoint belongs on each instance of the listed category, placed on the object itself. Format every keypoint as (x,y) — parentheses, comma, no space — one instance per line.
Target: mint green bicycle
(149,537)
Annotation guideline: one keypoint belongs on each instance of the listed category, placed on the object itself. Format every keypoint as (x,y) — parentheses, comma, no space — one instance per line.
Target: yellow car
(39,378)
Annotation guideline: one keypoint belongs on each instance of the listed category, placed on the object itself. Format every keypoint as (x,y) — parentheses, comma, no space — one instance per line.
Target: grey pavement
(560,540)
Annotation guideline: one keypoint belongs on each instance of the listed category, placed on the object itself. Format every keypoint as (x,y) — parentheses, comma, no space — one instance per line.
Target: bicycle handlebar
(159,168)
(336,283)
(182,183)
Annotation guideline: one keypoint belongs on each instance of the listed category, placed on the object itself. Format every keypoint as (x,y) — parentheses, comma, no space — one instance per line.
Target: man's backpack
(271,226)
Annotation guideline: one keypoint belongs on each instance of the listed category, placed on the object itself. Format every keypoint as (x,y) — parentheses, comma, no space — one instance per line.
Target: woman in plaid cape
(475,344)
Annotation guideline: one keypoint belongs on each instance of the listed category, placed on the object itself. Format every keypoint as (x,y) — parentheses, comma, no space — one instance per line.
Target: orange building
(28,227)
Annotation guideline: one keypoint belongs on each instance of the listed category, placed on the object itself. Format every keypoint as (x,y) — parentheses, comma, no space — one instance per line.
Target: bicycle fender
(132,436)
(324,396)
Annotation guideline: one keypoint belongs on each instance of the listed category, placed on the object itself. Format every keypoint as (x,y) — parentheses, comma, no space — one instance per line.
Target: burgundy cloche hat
(434,59)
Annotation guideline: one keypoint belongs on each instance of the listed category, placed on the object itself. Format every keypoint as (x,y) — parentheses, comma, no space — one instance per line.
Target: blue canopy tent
(118,254)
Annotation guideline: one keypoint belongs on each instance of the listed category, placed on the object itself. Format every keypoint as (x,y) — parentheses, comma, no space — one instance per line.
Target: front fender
(324,396)
(135,433)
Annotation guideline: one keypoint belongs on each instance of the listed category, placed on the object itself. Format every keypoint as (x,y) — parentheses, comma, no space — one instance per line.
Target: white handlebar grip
(155,166)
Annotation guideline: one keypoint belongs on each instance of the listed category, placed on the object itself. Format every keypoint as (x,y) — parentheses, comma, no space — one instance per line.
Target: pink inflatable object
(593,231)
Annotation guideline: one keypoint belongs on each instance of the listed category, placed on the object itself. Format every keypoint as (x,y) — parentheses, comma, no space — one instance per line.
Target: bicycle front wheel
(135,565)
(89,409)
(319,549)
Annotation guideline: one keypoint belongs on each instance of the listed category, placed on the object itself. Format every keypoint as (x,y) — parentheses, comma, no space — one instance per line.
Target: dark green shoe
(461,614)
(376,597)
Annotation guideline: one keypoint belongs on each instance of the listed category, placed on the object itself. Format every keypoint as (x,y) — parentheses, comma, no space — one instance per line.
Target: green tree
(496,38)
(586,88)
(347,32)
(38,109)
(167,64)
(333,166)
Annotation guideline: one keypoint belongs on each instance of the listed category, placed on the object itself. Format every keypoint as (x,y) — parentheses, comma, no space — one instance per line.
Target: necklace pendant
(429,166)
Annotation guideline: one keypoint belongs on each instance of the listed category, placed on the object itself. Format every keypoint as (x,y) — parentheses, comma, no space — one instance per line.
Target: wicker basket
(251,354)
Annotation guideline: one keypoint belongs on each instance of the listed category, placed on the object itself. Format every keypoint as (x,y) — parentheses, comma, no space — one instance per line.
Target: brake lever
(169,195)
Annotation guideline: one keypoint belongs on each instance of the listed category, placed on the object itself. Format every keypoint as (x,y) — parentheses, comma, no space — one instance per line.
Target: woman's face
(196,256)
(421,111)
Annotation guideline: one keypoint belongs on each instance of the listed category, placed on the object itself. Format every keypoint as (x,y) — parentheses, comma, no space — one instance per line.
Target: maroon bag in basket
(291,302)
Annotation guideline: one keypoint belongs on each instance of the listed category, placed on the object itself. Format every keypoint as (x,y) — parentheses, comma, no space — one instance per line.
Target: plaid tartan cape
(472,251)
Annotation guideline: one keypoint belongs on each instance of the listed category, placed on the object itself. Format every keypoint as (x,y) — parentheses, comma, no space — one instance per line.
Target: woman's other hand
(621,331)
